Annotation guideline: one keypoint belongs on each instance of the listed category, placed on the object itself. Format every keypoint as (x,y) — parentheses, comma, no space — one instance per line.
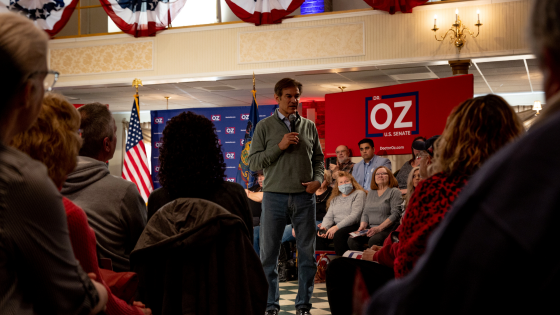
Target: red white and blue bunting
(392,6)
(50,15)
(263,11)
(142,17)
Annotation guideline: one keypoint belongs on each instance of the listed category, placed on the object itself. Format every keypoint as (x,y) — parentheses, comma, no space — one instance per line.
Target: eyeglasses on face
(381,174)
(50,80)
(51,77)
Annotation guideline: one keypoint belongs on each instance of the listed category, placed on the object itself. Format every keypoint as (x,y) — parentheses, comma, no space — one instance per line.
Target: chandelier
(458,31)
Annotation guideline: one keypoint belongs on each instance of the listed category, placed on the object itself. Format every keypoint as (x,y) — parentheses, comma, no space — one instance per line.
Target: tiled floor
(319,300)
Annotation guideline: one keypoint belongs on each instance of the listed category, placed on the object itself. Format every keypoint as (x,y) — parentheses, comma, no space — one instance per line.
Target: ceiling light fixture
(458,31)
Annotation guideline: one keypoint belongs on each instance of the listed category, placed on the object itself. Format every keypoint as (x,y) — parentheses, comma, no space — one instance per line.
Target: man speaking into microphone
(286,146)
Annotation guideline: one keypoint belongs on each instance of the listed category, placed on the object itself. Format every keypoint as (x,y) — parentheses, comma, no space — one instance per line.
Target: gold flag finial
(136,83)
(254,89)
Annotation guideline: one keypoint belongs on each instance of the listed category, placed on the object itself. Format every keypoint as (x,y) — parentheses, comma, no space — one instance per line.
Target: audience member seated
(459,153)
(195,257)
(54,140)
(344,209)
(341,272)
(38,271)
(321,196)
(403,172)
(382,210)
(343,162)
(413,179)
(255,196)
(425,154)
(114,207)
(196,168)
(363,170)
(492,124)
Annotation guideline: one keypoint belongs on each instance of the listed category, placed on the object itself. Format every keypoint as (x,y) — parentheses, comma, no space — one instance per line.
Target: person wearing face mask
(344,209)
(382,210)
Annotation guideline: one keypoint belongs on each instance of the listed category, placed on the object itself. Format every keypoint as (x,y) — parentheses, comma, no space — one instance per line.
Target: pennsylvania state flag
(243,172)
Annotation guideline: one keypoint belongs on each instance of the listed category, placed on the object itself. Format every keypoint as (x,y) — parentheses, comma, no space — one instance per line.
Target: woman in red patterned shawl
(475,130)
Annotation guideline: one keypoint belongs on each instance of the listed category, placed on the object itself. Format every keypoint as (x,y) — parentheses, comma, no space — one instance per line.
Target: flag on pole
(135,166)
(244,174)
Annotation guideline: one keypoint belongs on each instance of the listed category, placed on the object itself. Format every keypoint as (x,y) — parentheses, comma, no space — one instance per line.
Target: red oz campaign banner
(392,116)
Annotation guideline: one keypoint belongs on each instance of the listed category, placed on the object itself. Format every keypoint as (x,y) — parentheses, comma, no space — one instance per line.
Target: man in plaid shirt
(343,162)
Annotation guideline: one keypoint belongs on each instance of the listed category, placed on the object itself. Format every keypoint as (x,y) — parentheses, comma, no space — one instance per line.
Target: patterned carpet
(288,292)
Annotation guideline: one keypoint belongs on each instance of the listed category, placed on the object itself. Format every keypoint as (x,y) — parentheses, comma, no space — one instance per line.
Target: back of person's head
(475,130)
(23,48)
(53,139)
(190,155)
(97,124)
(545,29)
(336,192)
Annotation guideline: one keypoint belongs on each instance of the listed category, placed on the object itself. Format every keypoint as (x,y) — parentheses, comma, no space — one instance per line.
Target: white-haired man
(495,252)
(115,210)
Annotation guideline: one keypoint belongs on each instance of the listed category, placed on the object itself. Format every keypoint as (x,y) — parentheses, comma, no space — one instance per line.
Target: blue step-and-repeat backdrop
(230,125)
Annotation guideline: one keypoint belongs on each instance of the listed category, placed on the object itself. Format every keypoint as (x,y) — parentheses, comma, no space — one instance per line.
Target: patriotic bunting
(50,15)
(142,17)
(263,11)
(392,6)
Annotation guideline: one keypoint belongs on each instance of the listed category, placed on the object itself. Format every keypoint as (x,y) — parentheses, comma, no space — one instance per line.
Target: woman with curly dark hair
(192,166)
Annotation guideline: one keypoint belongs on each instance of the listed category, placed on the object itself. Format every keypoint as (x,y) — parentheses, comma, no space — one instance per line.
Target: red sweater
(386,255)
(83,242)
(432,198)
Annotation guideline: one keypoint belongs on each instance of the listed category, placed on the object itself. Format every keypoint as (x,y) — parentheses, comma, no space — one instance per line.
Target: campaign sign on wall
(230,123)
(392,116)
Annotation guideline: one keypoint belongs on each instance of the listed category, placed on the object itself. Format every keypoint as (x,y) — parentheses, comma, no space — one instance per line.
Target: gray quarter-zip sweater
(284,171)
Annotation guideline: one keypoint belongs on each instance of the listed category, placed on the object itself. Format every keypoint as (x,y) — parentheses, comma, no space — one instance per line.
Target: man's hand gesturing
(289,138)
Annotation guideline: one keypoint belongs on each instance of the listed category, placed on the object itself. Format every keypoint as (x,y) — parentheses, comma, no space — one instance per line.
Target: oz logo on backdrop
(392,115)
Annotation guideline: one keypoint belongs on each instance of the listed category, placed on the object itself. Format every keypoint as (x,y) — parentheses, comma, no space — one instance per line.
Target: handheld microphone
(293,119)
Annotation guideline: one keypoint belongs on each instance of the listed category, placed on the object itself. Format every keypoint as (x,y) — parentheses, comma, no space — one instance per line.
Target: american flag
(135,167)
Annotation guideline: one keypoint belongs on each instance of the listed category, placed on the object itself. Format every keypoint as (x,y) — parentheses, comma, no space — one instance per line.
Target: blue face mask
(346,188)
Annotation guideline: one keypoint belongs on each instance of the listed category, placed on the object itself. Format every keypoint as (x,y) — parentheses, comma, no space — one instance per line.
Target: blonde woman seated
(344,209)
(382,210)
